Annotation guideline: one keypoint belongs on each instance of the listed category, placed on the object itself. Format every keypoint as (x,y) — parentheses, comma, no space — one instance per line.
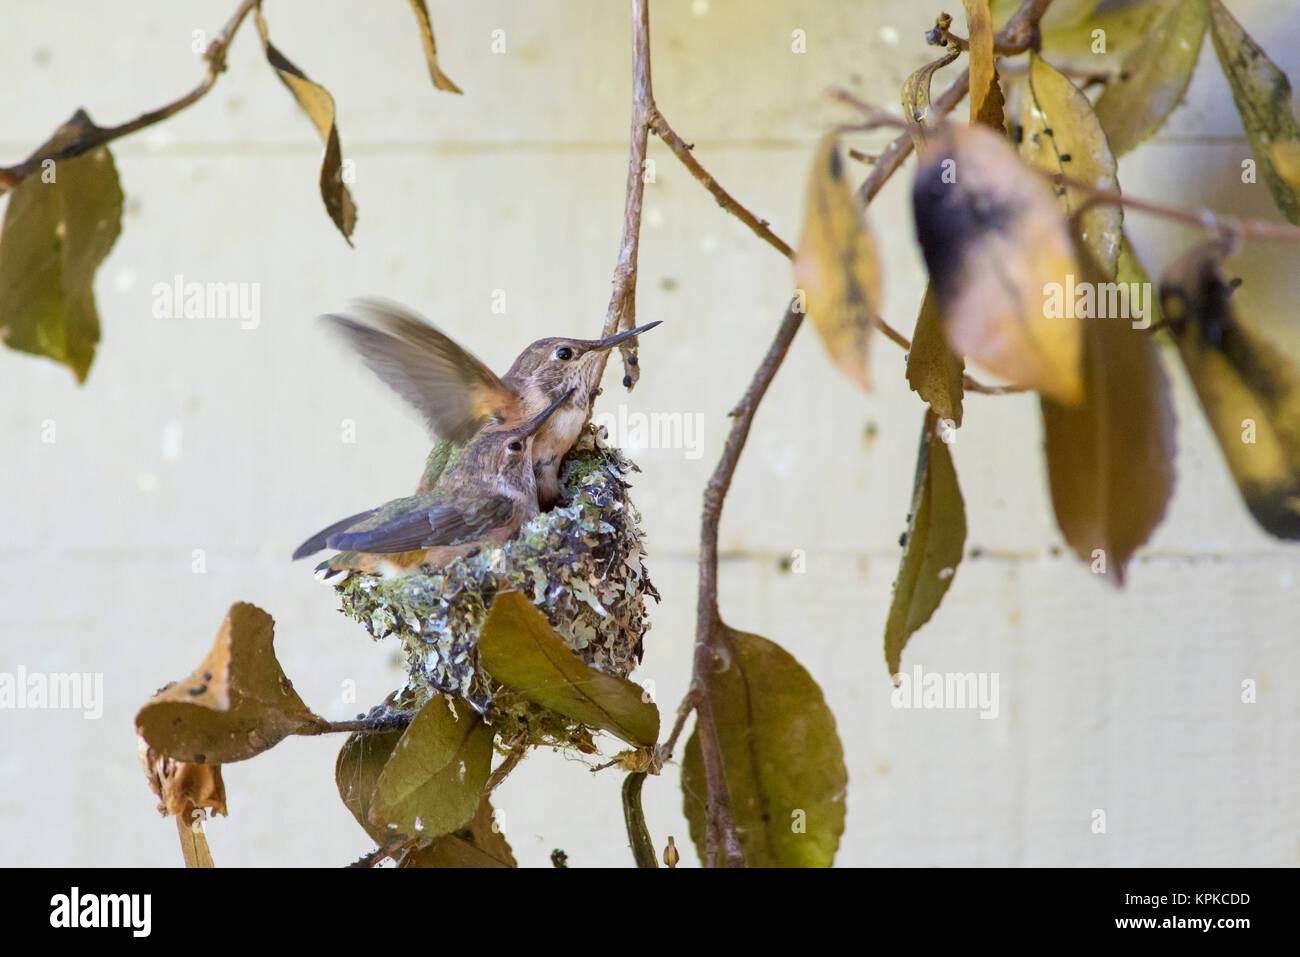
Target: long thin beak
(615,340)
(540,419)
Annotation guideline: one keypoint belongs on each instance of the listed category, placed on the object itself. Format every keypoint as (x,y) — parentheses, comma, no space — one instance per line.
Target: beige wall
(196,434)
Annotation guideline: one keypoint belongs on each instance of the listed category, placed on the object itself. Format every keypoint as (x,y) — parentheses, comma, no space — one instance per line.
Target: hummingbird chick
(457,394)
(486,493)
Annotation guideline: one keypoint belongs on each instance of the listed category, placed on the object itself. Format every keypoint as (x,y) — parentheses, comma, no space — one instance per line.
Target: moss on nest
(580,563)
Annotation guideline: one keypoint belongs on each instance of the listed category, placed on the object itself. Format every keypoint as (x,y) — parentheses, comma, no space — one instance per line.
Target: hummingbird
(487,491)
(457,394)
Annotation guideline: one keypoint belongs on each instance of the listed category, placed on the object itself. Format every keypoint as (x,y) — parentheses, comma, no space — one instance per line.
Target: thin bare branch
(96,136)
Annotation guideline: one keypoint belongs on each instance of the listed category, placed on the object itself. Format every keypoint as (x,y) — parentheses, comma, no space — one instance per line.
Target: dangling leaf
(782,756)
(236,704)
(59,226)
(1286,160)
(521,650)
(1062,135)
(916,94)
(994,239)
(932,544)
(434,781)
(318,104)
(934,372)
(1250,390)
(836,265)
(440,79)
(479,844)
(1263,97)
(986,103)
(1110,459)
(1154,77)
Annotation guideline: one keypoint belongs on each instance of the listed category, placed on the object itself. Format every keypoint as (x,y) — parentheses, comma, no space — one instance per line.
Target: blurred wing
(447,523)
(317,541)
(454,392)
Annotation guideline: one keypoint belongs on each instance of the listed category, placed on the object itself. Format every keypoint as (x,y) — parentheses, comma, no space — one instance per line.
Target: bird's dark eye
(516,446)
(564,352)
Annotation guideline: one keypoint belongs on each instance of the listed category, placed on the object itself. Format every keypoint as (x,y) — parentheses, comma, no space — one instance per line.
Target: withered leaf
(986,102)
(934,371)
(1286,160)
(520,649)
(932,547)
(434,780)
(181,787)
(836,265)
(994,240)
(318,104)
(1154,76)
(1250,390)
(1063,135)
(1110,459)
(480,844)
(782,757)
(236,704)
(59,225)
(440,79)
(1262,93)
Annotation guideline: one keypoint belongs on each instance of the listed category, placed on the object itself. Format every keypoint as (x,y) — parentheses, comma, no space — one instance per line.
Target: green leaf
(356,772)
(1154,77)
(932,545)
(638,835)
(1110,460)
(1062,135)
(236,704)
(480,844)
(434,781)
(59,226)
(1263,97)
(934,371)
(440,79)
(521,650)
(318,104)
(783,759)
(1249,389)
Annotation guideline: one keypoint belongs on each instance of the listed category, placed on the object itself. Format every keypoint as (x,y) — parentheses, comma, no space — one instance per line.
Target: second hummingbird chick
(486,493)
(457,394)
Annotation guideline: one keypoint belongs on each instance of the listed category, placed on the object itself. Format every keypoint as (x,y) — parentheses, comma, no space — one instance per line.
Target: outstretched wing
(452,389)
(317,541)
(446,523)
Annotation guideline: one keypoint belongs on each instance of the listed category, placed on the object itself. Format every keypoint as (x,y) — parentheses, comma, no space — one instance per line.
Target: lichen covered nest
(580,563)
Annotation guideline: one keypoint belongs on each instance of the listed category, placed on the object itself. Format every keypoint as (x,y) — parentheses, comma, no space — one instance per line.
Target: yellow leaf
(986,103)
(836,265)
(995,241)
(440,79)
(1062,135)
(1250,391)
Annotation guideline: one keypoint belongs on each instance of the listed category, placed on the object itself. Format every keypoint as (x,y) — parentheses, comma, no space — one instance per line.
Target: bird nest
(581,564)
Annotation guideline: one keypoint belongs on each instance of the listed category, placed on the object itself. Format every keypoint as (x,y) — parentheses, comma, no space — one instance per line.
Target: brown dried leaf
(236,704)
(986,102)
(318,104)
(1110,459)
(440,79)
